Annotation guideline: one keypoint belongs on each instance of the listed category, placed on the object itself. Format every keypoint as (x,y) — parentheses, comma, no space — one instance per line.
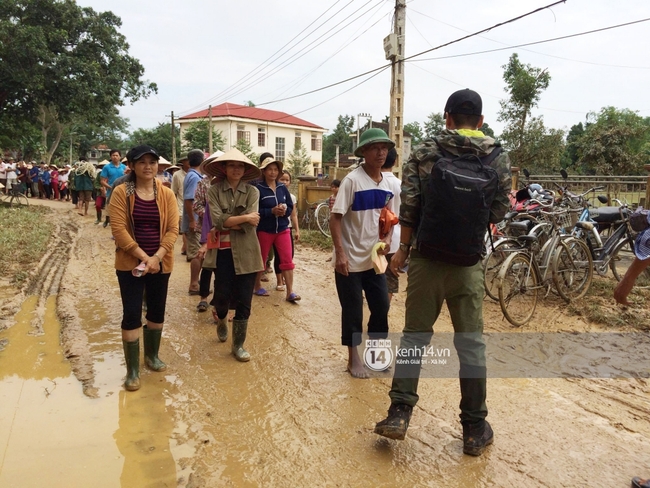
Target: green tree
(160,137)
(615,142)
(64,63)
(196,136)
(340,136)
(245,147)
(299,161)
(487,130)
(415,130)
(570,155)
(434,125)
(529,143)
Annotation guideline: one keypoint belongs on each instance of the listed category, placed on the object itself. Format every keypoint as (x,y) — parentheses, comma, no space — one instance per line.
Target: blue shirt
(112,172)
(46,178)
(34,174)
(189,189)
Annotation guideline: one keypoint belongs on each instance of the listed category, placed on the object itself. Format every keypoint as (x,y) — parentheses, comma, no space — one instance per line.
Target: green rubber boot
(132,357)
(238,337)
(222,329)
(151,346)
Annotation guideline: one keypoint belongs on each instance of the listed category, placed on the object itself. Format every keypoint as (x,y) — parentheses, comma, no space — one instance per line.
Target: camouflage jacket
(416,172)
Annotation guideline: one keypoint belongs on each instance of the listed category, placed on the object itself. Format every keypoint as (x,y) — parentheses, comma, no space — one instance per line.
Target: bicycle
(15,198)
(563,263)
(317,217)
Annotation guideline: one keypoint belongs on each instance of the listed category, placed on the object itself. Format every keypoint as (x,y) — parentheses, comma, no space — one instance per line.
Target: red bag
(387,219)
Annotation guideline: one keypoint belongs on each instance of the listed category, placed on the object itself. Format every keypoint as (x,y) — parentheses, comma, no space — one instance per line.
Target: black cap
(466,102)
(138,151)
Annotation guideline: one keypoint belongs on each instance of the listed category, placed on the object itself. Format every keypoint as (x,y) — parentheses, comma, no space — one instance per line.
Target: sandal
(261,293)
(194,292)
(293,297)
(202,306)
(280,288)
(264,278)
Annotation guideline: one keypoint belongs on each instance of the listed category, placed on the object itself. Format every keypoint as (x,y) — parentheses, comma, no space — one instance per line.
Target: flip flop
(293,297)
(202,306)
(264,278)
(280,288)
(261,293)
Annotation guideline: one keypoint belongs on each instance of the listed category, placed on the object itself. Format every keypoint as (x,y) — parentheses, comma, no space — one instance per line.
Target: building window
(298,141)
(279,149)
(243,134)
(315,143)
(261,137)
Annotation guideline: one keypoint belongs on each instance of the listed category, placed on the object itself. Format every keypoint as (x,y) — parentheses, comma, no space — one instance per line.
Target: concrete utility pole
(173,141)
(210,130)
(394,49)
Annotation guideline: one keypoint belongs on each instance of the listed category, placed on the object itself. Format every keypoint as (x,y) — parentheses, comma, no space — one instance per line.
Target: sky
(201,53)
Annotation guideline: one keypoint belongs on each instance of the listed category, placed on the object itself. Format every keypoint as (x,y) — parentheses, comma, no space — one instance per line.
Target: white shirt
(396,188)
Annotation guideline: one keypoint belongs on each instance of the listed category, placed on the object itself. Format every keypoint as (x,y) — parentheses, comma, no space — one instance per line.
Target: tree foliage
(67,63)
(415,130)
(529,143)
(196,136)
(160,137)
(299,161)
(247,149)
(434,124)
(487,130)
(615,142)
(340,136)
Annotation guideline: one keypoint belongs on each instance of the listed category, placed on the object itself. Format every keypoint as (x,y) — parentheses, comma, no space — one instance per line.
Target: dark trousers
(231,288)
(350,290)
(204,281)
(132,290)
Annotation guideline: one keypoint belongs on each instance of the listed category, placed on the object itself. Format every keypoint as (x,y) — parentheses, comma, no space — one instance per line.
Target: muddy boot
(99,217)
(132,357)
(151,346)
(238,337)
(397,423)
(107,222)
(476,437)
(222,329)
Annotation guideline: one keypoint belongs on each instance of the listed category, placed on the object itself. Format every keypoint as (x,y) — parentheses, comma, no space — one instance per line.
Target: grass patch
(316,239)
(24,234)
(599,306)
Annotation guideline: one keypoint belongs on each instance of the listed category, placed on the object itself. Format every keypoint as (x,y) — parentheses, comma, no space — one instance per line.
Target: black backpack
(456,207)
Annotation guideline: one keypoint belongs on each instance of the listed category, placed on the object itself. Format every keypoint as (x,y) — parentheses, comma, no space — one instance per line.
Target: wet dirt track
(290,417)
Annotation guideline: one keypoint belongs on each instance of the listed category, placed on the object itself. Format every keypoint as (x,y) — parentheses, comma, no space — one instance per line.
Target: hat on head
(138,151)
(163,164)
(181,158)
(370,137)
(210,158)
(270,160)
(217,166)
(466,102)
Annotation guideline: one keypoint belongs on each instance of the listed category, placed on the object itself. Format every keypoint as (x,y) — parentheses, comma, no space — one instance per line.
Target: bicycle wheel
(492,264)
(19,200)
(622,257)
(323,218)
(572,269)
(518,289)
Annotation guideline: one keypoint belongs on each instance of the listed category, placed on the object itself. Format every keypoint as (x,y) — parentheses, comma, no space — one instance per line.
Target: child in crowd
(334,186)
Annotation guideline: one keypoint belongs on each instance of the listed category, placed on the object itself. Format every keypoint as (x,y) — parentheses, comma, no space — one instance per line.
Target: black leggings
(232,289)
(132,290)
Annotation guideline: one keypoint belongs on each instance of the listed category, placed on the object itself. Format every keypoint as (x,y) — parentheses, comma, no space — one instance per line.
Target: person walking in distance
(190,225)
(443,219)
(354,223)
(145,227)
(109,174)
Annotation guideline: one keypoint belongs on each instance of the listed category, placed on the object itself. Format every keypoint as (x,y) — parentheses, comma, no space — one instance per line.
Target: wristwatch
(404,246)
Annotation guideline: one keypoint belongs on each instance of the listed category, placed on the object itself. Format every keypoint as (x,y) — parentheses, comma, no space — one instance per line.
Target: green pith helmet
(370,137)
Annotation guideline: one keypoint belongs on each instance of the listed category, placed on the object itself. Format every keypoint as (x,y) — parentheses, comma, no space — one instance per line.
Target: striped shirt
(146,223)
(642,245)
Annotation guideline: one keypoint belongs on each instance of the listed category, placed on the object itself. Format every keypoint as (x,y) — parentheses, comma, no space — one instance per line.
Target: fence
(635,190)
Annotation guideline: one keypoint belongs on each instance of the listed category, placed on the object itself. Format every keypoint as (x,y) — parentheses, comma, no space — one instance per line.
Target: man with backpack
(453,186)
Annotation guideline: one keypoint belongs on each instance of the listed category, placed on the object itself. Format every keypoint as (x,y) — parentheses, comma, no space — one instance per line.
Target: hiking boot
(395,425)
(476,437)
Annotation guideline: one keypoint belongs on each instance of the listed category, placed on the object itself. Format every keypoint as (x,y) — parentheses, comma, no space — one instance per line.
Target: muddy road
(290,417)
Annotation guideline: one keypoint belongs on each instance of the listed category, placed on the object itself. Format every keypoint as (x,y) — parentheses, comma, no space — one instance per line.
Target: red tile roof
(234,110)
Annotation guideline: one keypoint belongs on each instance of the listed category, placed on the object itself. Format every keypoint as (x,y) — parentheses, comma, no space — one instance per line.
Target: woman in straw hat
(276,206)
(233,209)
(144,223)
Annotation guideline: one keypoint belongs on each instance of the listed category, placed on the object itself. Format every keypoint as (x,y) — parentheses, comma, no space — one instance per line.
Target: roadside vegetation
(315,239)
(24,234)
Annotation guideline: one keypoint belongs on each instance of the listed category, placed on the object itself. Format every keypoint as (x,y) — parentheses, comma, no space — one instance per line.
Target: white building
(265,130)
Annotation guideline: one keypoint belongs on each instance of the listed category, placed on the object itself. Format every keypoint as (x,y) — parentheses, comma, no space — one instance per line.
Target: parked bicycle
(14,198)
(317,217)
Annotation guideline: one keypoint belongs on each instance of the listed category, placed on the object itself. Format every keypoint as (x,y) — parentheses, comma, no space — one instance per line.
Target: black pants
(132,289)
(231,289)
(350,290)
(204,281)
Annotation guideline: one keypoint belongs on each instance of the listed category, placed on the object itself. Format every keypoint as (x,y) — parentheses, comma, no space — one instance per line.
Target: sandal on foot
(261,293)
(264,278)
(293,297)
(280,288)
(202,306)
(194,292)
